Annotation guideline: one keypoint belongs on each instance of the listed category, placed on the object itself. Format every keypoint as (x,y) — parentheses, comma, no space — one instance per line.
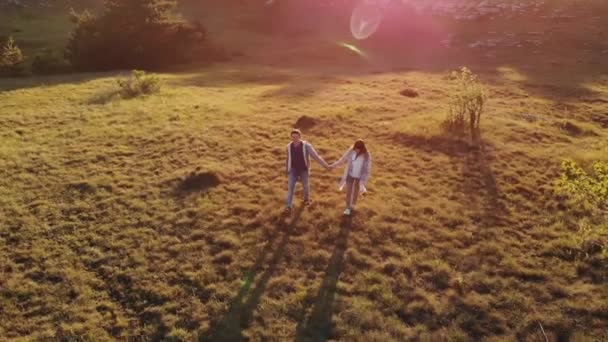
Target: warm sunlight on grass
(123,191)
(597,87)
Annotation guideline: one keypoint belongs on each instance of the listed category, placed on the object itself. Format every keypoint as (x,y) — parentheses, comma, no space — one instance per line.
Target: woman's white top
(357,164)
(365,171)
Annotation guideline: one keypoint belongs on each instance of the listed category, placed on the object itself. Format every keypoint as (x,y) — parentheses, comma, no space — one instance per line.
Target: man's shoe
(347,212)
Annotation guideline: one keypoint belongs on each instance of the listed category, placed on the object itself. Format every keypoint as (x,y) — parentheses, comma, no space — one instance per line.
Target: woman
(356,174)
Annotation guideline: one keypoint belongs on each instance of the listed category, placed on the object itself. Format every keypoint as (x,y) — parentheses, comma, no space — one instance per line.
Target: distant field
(159,217)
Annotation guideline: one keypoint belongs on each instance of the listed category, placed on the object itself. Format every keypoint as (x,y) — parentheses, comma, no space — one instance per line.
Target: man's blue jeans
(293,178)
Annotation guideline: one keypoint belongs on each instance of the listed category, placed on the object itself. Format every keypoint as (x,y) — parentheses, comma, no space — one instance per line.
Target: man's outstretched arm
(315,156)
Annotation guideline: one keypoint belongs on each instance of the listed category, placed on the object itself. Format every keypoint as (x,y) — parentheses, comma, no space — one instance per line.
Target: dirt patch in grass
(570,128)
(408,92)
(199,182)
(574,130)
(82,187)
(305,123)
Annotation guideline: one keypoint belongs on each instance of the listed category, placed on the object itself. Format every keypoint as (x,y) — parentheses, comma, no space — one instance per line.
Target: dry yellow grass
(159,217)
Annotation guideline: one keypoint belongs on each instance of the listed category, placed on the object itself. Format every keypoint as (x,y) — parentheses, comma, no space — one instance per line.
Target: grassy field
(159,217)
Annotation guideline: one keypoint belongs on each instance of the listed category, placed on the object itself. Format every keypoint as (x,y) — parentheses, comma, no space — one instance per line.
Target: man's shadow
(318,326)
(241,308)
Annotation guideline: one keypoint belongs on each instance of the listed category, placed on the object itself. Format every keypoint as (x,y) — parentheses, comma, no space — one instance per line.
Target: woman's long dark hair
(360,144)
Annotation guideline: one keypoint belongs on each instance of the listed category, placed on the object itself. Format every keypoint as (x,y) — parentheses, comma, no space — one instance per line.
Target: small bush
(466,103)
(178,335)
(50,62)
(588,191)
(12,60)
(138,84)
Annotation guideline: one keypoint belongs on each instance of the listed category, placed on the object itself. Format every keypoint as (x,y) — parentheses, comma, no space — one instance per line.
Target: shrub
(139,83)
(587,190)
(178,335)
(50,62)
(134,34)
(12,60)
(590,192)
(466,103)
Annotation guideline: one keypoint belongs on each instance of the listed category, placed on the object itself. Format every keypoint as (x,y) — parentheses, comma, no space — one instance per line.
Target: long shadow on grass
(318,326)
(478,179)
(241,308)
(476,172)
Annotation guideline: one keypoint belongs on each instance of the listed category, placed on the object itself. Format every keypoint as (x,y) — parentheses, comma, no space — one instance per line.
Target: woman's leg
(305,185)
(349,191)
(355,192)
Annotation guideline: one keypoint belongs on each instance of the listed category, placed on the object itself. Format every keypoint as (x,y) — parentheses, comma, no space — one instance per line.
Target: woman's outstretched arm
(342,160)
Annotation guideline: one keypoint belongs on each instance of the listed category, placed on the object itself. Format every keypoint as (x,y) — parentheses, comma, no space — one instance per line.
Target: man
(298,166)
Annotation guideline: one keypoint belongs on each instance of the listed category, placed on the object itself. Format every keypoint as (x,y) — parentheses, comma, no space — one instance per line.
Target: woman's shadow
(240,311)
(318,326)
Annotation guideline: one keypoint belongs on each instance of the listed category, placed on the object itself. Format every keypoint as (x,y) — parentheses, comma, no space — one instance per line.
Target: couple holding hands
(357,172)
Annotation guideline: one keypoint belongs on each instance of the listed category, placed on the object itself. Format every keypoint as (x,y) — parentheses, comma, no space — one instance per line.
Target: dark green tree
(133,34)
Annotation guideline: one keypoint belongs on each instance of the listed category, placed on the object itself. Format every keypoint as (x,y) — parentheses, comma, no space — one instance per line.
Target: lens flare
(367,17)
(365,20)
(352,48)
